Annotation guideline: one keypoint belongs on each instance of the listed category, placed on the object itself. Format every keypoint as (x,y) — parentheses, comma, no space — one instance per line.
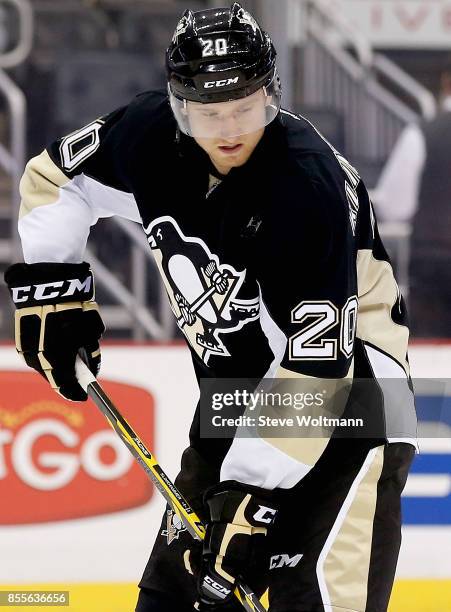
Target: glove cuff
(41,284)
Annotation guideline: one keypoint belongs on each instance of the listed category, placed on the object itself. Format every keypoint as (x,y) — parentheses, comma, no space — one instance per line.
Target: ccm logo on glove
(55,320)
(265,515)
(238,519)
(46,291)
(49,283)
(222,591)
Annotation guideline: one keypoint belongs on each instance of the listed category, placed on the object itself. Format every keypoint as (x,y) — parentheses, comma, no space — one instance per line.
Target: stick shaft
(174,498)
(147,461)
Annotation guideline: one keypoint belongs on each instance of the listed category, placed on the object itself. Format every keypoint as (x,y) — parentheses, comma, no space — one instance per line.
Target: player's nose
(229,127)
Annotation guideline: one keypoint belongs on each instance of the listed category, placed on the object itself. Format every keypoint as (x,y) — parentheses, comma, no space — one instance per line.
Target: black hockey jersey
(275,270)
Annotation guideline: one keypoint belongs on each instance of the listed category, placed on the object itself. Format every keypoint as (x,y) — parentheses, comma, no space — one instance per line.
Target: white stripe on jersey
(67,222)
(399,401)
(113,201)
(276,338)
(271,467)
(255,462)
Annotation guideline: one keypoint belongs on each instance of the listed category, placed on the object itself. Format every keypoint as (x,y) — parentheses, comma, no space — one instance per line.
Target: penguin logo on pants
(202,291)
(174,526)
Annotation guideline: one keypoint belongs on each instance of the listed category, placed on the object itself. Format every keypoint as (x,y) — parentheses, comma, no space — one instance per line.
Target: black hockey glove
(235,539)
(55,319)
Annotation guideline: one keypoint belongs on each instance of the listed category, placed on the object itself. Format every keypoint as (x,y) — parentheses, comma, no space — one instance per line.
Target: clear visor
(227,119)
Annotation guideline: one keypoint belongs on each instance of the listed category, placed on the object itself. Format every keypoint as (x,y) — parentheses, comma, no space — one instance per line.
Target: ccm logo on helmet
(221,83)
(46,291)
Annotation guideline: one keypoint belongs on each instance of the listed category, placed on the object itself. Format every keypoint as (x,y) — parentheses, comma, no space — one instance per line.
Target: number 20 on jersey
(319,318)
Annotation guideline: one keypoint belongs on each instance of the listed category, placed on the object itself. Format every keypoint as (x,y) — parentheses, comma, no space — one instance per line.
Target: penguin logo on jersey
(202,291)
(174,526)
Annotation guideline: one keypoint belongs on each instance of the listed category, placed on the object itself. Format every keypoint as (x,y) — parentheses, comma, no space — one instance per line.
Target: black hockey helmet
(220,55)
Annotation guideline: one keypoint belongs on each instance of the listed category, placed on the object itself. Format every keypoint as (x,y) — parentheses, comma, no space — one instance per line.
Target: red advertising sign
(400,23)
(62,460)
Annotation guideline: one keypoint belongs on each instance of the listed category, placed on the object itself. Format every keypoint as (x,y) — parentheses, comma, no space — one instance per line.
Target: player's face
(233,128)
(228,119)
(228,153)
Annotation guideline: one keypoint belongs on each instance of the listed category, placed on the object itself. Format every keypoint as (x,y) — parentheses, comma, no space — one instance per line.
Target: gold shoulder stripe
(40,183)
(378,293)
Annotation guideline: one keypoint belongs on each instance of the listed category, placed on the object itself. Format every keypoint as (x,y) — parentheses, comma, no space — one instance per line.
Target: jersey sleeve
(382,329)
(68,187)
(309,302)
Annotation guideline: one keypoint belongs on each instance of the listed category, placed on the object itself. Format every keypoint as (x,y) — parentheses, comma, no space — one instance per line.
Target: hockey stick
(174,498)
(194,307)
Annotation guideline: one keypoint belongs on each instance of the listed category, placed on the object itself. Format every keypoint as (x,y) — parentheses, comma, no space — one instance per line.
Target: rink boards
(76,510)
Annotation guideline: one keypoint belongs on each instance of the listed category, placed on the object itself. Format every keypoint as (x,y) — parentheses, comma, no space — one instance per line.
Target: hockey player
(270,253)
